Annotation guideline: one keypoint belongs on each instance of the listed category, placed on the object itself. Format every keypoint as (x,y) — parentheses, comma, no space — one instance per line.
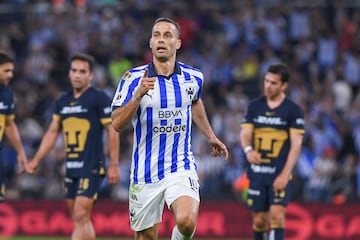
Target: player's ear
(91,75)
(285,85)
(150,43)
(178,44)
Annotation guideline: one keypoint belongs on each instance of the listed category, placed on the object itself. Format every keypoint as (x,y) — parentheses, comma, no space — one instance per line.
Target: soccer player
(271,136)
(7,116)
(161,99)
(82,114)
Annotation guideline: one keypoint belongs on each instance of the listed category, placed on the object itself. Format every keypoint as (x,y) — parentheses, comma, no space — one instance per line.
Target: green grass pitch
(67,238)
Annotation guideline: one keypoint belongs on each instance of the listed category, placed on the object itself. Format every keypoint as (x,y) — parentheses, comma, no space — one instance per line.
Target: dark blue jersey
(6,109)
(271,133)
(6,114)
(82,121)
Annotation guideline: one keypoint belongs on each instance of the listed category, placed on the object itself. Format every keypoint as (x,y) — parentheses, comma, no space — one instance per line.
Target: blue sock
(260,235)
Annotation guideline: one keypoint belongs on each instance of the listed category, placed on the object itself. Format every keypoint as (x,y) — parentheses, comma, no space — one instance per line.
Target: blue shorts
(88,187)
(260,195)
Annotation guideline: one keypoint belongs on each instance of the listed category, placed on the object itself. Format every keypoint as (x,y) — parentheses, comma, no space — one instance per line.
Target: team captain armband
(248,149)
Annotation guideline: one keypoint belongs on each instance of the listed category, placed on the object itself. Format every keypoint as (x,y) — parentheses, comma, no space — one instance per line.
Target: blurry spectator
(299,24)
(118,65)
(304,168)
(38,64)
(342,91)
(358,180)
(275,26)
(347,30)
(343,184)
(319,184)
(352,69)
(18,40)
(326,51)
(210,170)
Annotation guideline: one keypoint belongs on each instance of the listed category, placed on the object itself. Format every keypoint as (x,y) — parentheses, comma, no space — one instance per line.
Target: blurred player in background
(7,116)
(161,99)
(82,114)
(271,137)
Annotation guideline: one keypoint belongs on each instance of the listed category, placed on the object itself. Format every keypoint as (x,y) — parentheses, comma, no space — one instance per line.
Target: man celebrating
(161,99)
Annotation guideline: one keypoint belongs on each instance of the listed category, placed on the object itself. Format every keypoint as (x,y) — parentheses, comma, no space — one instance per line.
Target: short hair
(5,58)
(84,57)
(169,20)
(282,69)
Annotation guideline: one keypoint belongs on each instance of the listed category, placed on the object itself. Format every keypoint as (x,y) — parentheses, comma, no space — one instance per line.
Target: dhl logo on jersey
(269,120)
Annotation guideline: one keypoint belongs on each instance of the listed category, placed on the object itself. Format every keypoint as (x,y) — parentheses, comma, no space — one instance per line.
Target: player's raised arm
(122,115)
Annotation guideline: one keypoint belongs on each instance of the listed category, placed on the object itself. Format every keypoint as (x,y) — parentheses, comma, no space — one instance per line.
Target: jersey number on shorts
(84,184)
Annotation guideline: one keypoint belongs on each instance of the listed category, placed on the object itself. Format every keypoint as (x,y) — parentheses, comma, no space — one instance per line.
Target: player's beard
(80,86)
(162,58)
(273,94)
(4,82)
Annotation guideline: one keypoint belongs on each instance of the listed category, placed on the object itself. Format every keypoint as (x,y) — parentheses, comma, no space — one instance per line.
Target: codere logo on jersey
(169,128)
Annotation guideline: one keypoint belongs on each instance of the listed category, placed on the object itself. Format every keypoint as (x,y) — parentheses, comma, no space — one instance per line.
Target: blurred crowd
(233,43)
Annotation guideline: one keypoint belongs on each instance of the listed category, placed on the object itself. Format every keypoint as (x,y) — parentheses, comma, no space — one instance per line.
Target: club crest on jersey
(190,92)
(127,75)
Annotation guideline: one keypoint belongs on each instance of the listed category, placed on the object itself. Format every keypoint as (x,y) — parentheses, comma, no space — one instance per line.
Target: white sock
(272,234)
(177,235)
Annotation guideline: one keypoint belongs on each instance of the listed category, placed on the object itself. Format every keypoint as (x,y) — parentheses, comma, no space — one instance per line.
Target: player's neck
(276,101)
(79,92)
(164,68)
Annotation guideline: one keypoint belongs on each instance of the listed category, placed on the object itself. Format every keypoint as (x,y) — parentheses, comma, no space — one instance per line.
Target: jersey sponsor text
(74,109)
(263,169)
(269,120)
(74,164)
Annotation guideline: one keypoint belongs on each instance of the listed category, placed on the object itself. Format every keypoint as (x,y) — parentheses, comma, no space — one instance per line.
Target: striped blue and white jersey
(162,123)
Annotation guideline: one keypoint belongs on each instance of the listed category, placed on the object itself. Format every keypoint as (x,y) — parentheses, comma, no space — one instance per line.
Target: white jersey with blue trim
(162,123)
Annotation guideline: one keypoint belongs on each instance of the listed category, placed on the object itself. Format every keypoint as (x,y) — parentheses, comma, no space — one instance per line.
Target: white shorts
(146,201)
